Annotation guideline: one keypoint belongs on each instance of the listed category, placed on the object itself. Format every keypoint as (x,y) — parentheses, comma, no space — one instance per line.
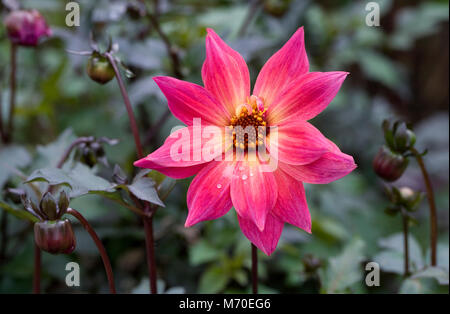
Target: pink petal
(298,143)
(266,240)
(306,97)
(291,204)
(208,196)
(285,66)
(225,73)
(253,192)
(330,167)
(188,101)
(183,153)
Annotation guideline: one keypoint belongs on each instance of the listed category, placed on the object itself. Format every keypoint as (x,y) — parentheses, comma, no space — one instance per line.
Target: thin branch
(148,222)
(151,133)
(254,269)
(405,243)
(432,205)
(4,235)
(2,131)
(171,50)
(100,247)
(128,106)
(37,270)
(12,93)
(251,12)
(67,152)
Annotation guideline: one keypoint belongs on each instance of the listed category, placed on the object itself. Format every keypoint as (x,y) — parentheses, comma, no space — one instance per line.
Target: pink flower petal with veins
(298,143)
(328,168)
(266,240)
(182,155)
(306,97)
(208,196)
(188,101)
(284,67)
(253,192)
(225,73)
(291,206)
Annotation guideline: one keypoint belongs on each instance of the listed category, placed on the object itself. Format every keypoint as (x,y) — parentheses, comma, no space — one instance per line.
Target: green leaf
(144,189)
(49,155)
(19,213)
(12,157)
(202,252)
(164,184)
(80,179)
(391,262)
(440,274)
(241,277)
(213,280)
(345,269)
(420,286)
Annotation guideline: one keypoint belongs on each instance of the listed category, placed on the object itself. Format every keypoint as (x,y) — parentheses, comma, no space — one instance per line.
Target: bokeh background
(398,70)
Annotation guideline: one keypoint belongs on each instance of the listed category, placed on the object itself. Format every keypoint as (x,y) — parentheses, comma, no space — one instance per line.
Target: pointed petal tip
(267,251)
(189,222)
(161,79)
(139,163)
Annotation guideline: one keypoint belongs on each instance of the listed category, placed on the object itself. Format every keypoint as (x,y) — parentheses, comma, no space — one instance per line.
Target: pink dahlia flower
(26,27)
(286,95)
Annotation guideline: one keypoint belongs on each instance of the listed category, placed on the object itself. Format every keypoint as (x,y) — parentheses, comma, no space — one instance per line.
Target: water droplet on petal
(251,174)
(244,177)
(219,185)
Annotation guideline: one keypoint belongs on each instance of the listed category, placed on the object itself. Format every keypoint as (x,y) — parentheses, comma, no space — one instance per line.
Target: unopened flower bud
(410,199)
(63,203)
(404,138)
(48,206)
(99,69)
(55,236)
(388,165)
(26,27)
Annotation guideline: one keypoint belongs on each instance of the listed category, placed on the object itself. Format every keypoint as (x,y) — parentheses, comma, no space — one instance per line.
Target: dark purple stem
(432,205)
(37,270)
(12,99)
(100,247)
(254,269)
(148,222)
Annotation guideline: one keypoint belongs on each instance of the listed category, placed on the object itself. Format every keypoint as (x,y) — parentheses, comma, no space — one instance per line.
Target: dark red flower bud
(55,236)
(388,165)
(99,69)
(26,27)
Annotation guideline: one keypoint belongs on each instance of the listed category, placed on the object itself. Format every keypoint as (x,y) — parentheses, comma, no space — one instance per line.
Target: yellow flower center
(248,125)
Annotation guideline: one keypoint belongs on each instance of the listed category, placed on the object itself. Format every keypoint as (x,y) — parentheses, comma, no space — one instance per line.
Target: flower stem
(149,242)
(432,205)
(99,245)
(12,93)
(254,269)
(37,270)
(69,150)
(128,106)
(405,244)
(148,221)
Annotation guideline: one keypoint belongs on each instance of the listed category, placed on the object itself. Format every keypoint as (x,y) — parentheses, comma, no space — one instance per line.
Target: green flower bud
(63,203)
(48,206)
(99,69)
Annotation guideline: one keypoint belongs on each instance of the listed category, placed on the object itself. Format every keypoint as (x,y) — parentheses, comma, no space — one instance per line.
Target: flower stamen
(246,123)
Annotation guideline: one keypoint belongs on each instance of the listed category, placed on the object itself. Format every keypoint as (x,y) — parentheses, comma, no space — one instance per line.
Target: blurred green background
(397,70)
